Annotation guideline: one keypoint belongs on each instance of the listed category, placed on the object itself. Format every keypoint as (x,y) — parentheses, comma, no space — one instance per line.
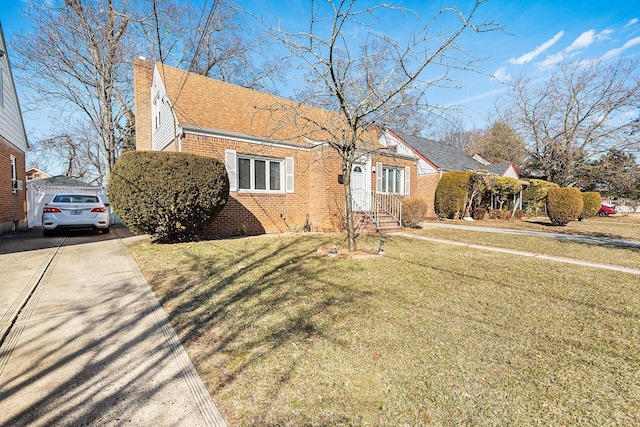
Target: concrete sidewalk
(91,344)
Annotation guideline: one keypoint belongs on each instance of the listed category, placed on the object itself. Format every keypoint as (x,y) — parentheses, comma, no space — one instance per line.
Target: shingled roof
(206,103)
(445,157)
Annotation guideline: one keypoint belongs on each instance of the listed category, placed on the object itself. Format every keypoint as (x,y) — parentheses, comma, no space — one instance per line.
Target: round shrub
(563,205)
(591,201)
(413,211)
(168,195)
(451,194)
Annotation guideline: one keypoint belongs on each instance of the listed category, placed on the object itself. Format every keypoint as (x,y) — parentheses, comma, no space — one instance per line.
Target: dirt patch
(343,252)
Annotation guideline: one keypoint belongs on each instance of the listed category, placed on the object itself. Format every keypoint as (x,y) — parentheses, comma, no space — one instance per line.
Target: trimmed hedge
(451,194)
(413,211)
(168,195)
(591,201)
(563,205)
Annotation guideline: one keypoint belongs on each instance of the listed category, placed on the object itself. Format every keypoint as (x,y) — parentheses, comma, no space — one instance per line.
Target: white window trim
(14,168)
(232,161)
(404,181)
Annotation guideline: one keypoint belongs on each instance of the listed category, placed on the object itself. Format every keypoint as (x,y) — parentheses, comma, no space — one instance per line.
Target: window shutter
(378,177)
(231,161)
(288,170)
(407,180)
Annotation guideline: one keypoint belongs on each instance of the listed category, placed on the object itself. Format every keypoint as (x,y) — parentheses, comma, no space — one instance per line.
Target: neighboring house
(13,146)
(434,159)
(282,175)
(35,174)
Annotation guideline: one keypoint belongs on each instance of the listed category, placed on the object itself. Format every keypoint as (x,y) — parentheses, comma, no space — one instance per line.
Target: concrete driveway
(83,340)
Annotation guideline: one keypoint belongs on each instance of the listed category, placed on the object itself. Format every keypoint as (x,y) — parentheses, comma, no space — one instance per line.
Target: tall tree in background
(213,39)
(580,112)
(501,141)
(366,81)
(75,56)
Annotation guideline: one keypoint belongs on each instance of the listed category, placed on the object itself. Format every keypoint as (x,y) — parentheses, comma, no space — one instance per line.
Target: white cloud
(502,75)
(632,22)
(584,40)
(614,52)
(530,56)
(552,60)
(604,35)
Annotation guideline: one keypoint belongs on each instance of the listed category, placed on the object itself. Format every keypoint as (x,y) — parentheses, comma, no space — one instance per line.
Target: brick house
(435,158)
(282,176)
(13,146)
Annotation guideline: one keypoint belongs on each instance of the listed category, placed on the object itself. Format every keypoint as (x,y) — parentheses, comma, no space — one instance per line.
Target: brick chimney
(142,79)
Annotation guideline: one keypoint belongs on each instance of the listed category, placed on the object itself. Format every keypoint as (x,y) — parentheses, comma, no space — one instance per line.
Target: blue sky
(537,35)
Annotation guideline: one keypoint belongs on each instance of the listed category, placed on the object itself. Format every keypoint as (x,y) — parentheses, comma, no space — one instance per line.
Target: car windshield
(75,198)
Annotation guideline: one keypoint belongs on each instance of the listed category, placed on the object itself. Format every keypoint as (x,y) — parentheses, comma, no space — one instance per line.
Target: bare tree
(577,114)
(212,39)
(75,58)
(451,130)
(366,81)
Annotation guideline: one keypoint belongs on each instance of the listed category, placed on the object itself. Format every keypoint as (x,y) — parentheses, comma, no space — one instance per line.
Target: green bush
(168,195)
(534,195)
(591,201)
(563,205)
(451,194)
(413,211)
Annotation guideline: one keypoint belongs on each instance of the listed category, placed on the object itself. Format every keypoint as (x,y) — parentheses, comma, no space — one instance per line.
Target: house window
(392,180)
(260,174)
(14,170)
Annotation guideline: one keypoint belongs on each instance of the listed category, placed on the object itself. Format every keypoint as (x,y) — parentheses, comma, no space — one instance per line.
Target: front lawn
(429,334)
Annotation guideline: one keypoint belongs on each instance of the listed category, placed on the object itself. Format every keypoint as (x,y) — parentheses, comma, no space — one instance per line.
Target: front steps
(386,223)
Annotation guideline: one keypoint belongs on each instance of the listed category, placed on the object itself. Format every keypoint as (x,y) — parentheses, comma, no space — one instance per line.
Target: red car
(606,210)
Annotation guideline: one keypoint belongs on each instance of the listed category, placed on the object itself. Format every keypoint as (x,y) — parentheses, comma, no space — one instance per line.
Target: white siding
(511,173)
(11,124)
(389,141)
(163,120)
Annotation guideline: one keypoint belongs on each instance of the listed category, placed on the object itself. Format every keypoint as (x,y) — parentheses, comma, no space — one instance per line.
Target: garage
(41,192)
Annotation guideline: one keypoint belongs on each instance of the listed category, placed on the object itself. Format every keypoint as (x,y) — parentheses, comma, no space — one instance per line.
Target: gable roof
(12,126)
(62,181)
(206,103)
(444,157)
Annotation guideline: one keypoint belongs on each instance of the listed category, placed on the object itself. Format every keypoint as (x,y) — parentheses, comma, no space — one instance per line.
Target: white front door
(361,199)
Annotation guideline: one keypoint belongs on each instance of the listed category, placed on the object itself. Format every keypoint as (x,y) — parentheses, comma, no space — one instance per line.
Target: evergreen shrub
(591,201)
(563,205)
(167,195)
(534,195)
(413,211)
(451,194)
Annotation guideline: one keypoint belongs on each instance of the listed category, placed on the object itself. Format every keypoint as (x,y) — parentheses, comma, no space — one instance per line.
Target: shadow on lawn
(244,305)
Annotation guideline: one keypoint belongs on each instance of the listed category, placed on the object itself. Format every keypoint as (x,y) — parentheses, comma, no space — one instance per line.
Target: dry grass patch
(607,254)
(620,227)
(429,334)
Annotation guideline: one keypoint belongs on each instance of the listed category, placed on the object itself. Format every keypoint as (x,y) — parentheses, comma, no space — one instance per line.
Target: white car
(75,211)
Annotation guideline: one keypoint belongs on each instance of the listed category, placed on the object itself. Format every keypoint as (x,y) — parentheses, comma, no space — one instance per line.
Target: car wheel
(603,214)
(47,233)
(106,230)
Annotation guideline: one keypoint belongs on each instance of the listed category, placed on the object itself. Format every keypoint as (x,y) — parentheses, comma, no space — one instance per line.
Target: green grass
(430,334)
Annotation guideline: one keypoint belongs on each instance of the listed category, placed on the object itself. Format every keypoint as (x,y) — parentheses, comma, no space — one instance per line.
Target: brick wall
(257,213)
(142,78)
(427,185)
(13,206)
